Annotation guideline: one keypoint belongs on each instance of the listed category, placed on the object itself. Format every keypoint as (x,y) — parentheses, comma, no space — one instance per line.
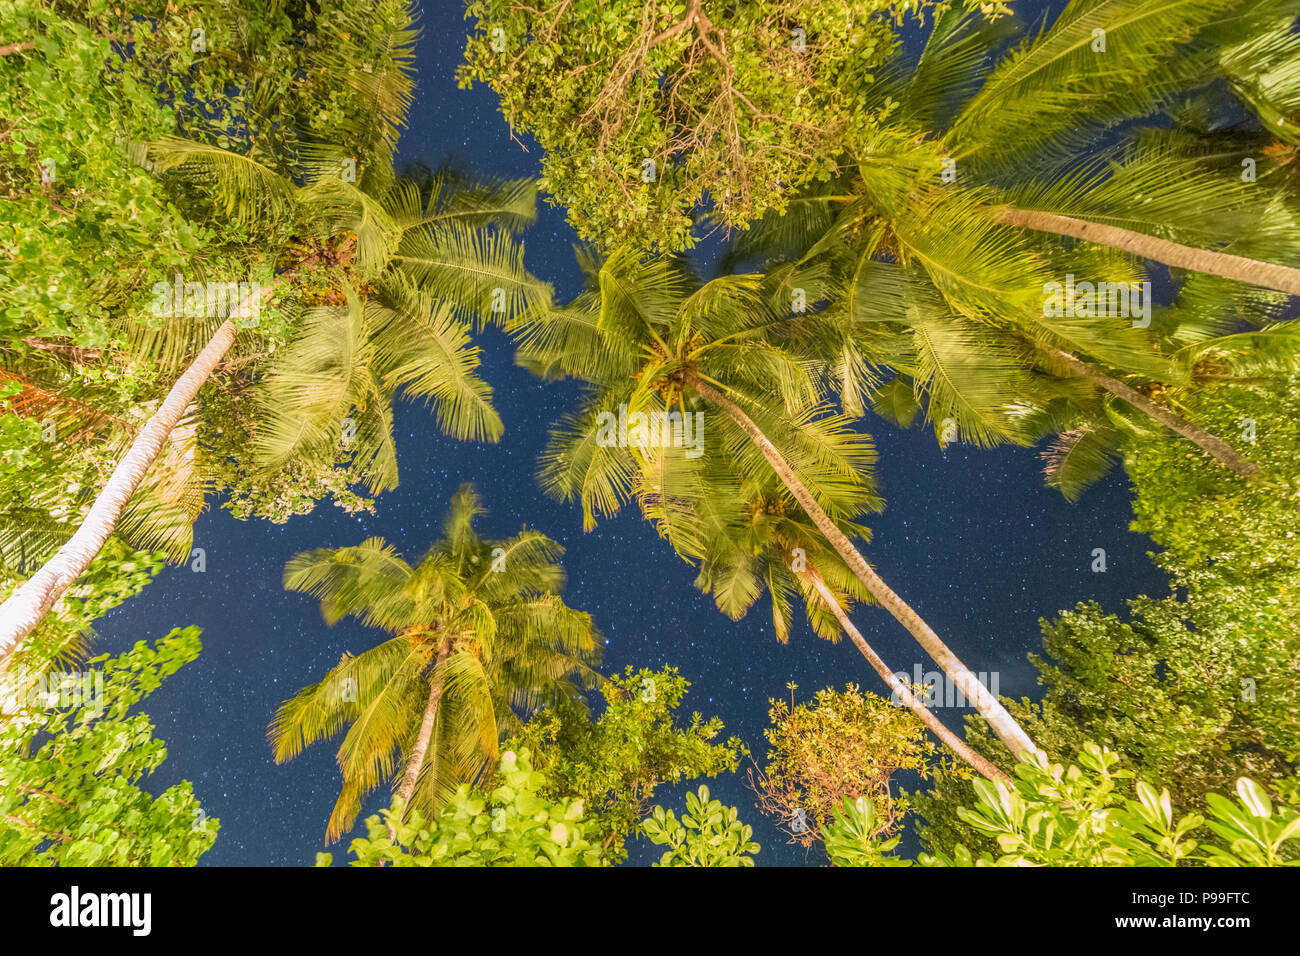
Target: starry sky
(971,538)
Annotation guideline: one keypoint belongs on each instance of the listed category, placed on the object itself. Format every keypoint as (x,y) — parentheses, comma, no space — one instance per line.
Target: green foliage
(1194,689)
(614,763)
(854,837)
(117,574)
(642,334)
(71,774)
(735,109)
(1176,681)
(1232,546)
(921,274)
(842,746)
(518,823)
(1052,815)
(477,628)
(513,825)
(708,834)
(228,141)
(211,71)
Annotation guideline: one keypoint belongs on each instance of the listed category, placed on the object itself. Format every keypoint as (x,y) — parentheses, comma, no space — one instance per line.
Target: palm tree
(436,261)
(479,631)
(1059,88)
(999,381)
(983,328)
(647,337)
(758,540)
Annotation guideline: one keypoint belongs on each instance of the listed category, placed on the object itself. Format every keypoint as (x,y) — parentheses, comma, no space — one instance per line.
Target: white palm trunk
(24,609)
(990,708)
(901,690)
(1240,268)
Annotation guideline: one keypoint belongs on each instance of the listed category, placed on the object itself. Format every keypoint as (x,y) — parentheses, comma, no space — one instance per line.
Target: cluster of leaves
(158,139)
(513,825)
(844,745)
(17,434)
(708,834)
(1195,689)
(118,573)
(293,489)
(69,777)
(614,763)
(667,107)
(1233,548)
(1052,815)
(517,823)
(72,196)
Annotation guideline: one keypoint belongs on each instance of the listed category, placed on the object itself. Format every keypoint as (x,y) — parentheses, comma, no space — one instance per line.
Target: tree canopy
(682,106)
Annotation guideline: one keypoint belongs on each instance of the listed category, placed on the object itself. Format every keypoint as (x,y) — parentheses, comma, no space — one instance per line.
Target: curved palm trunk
(25,608)
(1003,724)
(1251,271)
(901,690)
(1207,442)
(422,740)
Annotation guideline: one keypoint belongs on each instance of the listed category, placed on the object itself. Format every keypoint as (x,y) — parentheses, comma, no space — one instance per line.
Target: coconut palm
(478,633)
(648,337)
(1055,91)
(937,205)
(1004,129)
(433,259)
(992,382)
(757,539)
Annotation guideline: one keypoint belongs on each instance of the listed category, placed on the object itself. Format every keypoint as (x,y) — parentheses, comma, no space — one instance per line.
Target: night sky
(972,539)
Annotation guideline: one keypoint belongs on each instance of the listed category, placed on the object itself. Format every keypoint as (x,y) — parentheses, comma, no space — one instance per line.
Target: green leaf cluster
(70,792)
(1054,815)
(512,825)
(615,762)
(842,745)
(708,834)
(649,113)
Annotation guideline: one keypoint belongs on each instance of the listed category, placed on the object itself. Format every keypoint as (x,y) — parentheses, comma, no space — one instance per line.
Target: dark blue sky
(972,539)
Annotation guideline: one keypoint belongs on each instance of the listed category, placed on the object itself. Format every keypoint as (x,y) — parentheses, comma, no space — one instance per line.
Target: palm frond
(479,273)
(367,580)
(1079,458)
(1054,81)
(243,189)
(579,465)
(424,351)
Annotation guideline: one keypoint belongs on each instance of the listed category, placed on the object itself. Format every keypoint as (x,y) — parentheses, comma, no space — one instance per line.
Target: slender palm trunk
(1251,271)
(1211,444)
(901,690)
(421,748)
(25,608)
(1003,724)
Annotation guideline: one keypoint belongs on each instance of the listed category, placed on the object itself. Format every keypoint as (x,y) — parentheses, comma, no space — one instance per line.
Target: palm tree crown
(652,340)
(478,633)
